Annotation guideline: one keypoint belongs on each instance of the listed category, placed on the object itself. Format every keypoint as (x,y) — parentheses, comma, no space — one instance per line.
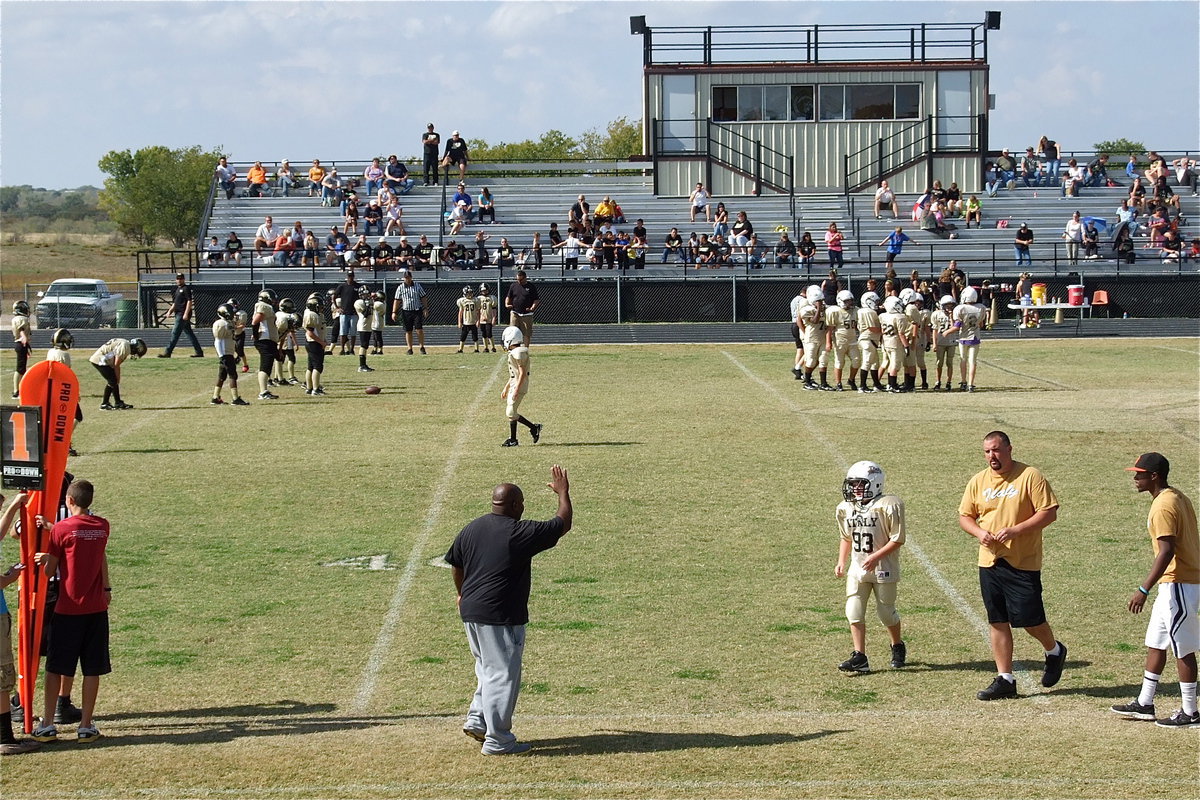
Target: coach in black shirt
(181,307)
(491,559)
(522,300)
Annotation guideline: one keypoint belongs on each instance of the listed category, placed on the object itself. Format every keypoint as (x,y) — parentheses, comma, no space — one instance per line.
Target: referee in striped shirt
(409,308)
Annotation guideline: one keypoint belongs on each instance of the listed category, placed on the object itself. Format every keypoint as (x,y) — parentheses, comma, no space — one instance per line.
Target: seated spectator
(743,229)
(556,239)
(481,250)
(1172,248)
(394,214)
(724,250)
(1007,169)
(1031,168)
(1091,240)
(337,245)
(233,249)
(639,230)
(285,179)
(1185,173)
(1193,252)
(316,178)
(1158,225)
(403,253)
(1164,194)
(423,255)
(673,245)
(373,176)
(331,188)
(458,217)
(215,252)
(1125,213)
(754,252)
(384,196)
(1157,168)
(720,220)
(606,211)
(297,234)
(618,214)
(635,254)
(579,217)
(382,255)
(373,218)
(1123,246)
(973,212)
(505,257)
(1137,194)
(1074,179)
(397,176)
(256,180)
(310,249)
(361,253)
(226,177)
(1131,169)
(463,196)
(707,255)
(351,212)
(922,203)
(1097,171)
(991,178)
(454,256)
(692,246)
(284,250)
(605,229)
(786,251)
(265,236)
(592,258)
(487,206)
(345,195)
(954,200)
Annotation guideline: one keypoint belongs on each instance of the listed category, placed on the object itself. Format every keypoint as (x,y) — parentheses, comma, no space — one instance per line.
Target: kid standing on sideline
(871,525)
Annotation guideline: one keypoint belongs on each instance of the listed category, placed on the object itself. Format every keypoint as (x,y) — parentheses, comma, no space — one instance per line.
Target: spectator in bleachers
(536,254)
(1074,179)
(384,196)
(1193,252)
(459,216)
(233,249)
(331,188)
(1123,245)
(639,230)
(1185,173)
(623,241)
(556,239)
(310,249)
(382,255)
(284,178)
(351,214)
(1172,247)
(394,214)
(833,243)
(922,203)
(1131,168)
(1126,214)
(403,253)
(214,253)
(707,254)
(608,249)
(606,212)
(481,250)
(461,195)
(316,178)
(265,236)
(1049,150)
(973,211)
(345,194)
(673,245)
(360,254)
(1097,171)
(336,247)
(699,202)
(1073,235)
(1031,168)
(284,249)
(487,206)
(226,177)
(456,155)
(423,254)
(754,252)
(724,250)
(1158,167)
(1158,225)
(895,244)
(579,217)
(1007,169)
(991,178)
(373,176)
(886,198)
(570,247)
(1137,194)
(720,220)
(373,218)
(506,257)
(954,200)
(618,214)
(786,251)
(1021,243)
(454,256)
(743,229)
(397,178)
(256,180)
(693,247)
(431,142)
(1164,194)
(1091,240)
(297,234)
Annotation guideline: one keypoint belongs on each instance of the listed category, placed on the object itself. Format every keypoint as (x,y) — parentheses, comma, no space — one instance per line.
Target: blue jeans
(1052,168)
(285,185)
(1023,257)
(228,187)
(373,186)
(182,326)
(368,225)
(1035,176)
(667,252)
(1097,178)
(400,186)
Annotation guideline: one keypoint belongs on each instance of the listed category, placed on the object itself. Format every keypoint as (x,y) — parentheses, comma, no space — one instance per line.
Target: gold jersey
(943,328)
(266,326)
(222,331)
(314,325)
(111,353)
(1173,516)
(918,330)
(366,315)
(59,355)
(283,324)
(998,501)
(893,326)
(844,325)
(469,308)
(487,308)
(518,358)
(20,327)
(868,529)
(813,324)
(867,319)
(972,319)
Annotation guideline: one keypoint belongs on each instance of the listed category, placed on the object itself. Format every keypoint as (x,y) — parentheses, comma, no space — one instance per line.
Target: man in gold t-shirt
(1006,507)
(1175,617)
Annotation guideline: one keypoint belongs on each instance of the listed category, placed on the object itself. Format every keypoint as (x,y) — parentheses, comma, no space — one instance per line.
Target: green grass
(684,636)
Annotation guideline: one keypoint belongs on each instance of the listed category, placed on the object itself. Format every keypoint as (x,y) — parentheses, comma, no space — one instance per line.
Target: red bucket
(1075,295)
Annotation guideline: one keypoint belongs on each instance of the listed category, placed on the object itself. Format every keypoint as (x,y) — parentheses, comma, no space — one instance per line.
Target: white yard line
(1176,349)
(956,597)
(994,365)
(383,641)
(138,419)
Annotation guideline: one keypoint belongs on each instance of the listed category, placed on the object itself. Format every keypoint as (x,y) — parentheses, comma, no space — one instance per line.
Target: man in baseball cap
(1175,617)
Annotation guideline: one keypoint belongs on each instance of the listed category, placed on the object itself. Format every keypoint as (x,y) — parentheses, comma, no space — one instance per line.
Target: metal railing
(910,145)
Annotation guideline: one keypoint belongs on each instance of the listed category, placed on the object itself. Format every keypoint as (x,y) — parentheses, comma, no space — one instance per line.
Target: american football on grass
(373,390)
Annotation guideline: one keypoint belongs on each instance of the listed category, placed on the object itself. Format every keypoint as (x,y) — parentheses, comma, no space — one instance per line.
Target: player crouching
(518,384)
(871,525)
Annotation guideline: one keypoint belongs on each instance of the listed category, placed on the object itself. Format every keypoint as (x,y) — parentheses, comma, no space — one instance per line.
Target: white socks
(1149,687)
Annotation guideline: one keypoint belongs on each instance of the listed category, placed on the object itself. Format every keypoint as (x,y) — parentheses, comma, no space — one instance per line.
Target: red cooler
(1075,295)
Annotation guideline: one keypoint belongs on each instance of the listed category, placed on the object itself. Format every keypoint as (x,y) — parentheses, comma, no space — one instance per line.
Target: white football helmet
(512,337)
(909,296)
(869,300)
(970,295)
(814,294)
(845,298)
(946,300)
(892,305)
(864,483)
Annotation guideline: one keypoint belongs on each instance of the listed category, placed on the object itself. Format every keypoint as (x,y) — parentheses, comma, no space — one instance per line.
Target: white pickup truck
(77,303)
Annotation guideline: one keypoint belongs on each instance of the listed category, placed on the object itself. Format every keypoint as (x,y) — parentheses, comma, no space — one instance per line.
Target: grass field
(684,637)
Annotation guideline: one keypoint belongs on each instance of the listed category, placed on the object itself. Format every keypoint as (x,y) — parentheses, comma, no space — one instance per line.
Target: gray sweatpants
(497,650)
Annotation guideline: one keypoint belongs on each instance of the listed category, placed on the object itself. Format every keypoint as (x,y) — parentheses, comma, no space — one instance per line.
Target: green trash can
(127,314)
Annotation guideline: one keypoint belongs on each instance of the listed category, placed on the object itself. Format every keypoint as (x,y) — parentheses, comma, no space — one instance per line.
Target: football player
(266,340)
(364,306)
(286,323)
(798,303)
(468,318)
(379,311)
(22,335)
(240,320)
(969,320)
(488,311)
(870,336)
(894,324)
(223,340)
(815,334)
(518,384)
(842,320)
(942,323)
(314,344)
(871,525)
(107,360)
(918,338)
(60,343)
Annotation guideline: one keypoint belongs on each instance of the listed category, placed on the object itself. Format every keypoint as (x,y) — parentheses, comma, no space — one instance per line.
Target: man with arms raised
(1006,507)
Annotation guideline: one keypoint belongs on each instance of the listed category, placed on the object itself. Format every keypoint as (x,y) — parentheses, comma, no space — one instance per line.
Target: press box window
(724,103)
(870,101)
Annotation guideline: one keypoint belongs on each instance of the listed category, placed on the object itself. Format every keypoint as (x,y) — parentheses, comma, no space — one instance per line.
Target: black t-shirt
(396,171)
(424,253)
(383,250)
(347,293)
(742,228)
(522,297)
(494,552)
(674,240)
(233,245)
(373,214)
(431,141)
(639,231)
(456,148)
(182,295)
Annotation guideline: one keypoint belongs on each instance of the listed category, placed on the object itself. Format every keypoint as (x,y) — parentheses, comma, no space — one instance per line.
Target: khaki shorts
(857,593)
(514,402)
(848,353)
(870,354)
(814,354)
(8,673)
(945,355)
(891,358)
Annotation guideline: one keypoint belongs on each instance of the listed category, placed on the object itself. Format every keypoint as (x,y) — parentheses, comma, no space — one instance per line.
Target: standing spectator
(1021,243)
(256,180)
(285,178)
(579,217)
(535,250)
(833,241)
(481,251)
(1006,507)
(487,206)
(521,301)
(107,360)
(699,202)
(1073,234)
(226,177)
(316,178)
(310,247)
(1049,150)
(895,244)
(490,560)
(886,198)
(9,744)
(233,249)
(373,176)
(265,236)
(182,307)
(1173,617)
(79,628)
(409,307)
(431,142)
(1031,169)
(397,176)
(570,250)
(456,154)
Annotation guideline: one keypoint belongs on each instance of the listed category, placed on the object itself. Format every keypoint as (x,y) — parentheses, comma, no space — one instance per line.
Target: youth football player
(518,384)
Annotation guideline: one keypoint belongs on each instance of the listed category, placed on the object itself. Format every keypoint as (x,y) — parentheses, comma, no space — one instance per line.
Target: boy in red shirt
(79,627)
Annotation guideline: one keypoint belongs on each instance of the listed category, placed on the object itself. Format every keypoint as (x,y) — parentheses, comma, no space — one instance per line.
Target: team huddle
(862,342)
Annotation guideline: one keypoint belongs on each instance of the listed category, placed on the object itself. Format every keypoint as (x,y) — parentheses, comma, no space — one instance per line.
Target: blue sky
(78,79)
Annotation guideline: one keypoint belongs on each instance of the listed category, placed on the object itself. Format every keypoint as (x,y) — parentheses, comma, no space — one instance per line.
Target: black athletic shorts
(412,319)
(227,369)
(796,336)
(267,355)
(364,339)
(1012,595)
(22,351)
(316,356)
(79,639)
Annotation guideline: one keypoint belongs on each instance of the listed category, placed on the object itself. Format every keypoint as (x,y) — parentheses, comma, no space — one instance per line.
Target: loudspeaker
(993,20)
(638,25)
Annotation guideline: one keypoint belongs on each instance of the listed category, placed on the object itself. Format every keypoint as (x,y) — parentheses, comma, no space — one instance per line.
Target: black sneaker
(122,406)
(1000,689)
(537,432)
(267,396)
(509,443)
(237,401)
(320,390)
(106,407)
(1054,666)
(18,713)
(216,401)
(838,388)
(67,714)
(811,386)
(937,387)
(899,655)
(1135,710)
(825,387)
(857,662)
(798,373)
(164,355)
(970,388)
(1180,719)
